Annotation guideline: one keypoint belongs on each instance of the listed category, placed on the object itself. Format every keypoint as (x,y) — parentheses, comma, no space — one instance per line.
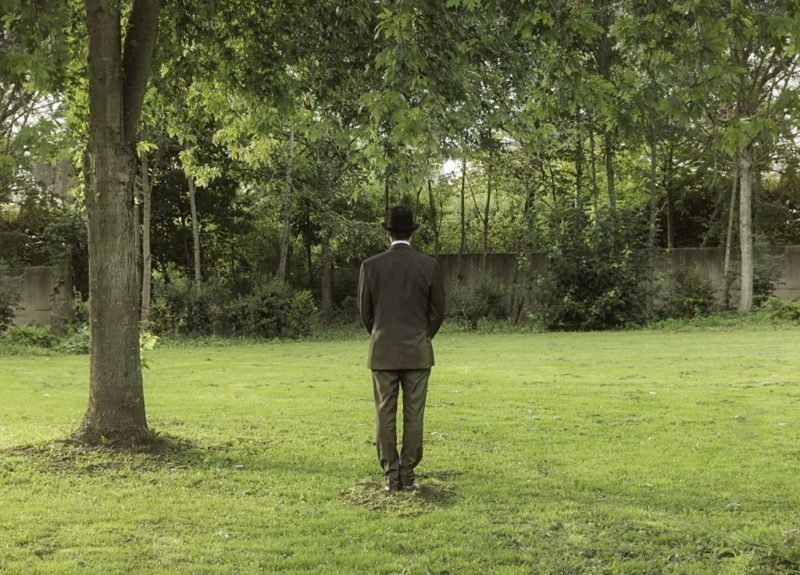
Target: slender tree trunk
(727,272)
(578,170)
(670,200)
(434,221)
(746,229)
(593,161)
(198,276)
(529,197)
(653,191)
(326,297)
(610,179)
(486,211)
(463,246)
(117,81)
(147,258)
(287,211)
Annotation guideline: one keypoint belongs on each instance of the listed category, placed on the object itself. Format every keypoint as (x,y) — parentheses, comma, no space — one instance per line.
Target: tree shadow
(159,453)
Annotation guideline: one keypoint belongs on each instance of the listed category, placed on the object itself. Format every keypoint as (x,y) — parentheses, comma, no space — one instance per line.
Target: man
(401,299)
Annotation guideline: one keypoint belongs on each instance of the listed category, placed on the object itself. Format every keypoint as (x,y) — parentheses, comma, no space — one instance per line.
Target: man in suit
(401,299)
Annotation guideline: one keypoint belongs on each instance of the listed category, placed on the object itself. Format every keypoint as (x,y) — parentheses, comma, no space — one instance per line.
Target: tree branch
(137,57)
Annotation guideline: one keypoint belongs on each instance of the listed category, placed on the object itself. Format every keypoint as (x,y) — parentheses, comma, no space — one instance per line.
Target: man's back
(402,302)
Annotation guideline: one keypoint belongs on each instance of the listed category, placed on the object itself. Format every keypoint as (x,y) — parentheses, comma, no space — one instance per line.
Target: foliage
(766,275)
(29,336)
(691,294)
(272,310)
(781,310)
(480,298)
(76,341)
(9,296)
(595,278)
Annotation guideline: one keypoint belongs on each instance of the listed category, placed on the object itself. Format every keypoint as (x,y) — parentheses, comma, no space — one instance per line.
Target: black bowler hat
(400,219)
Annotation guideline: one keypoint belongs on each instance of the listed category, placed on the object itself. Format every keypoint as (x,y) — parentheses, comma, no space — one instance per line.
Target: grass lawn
(631,452)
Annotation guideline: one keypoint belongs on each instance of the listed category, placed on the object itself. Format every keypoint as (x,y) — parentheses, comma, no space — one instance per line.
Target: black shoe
(411,487)
(390,487)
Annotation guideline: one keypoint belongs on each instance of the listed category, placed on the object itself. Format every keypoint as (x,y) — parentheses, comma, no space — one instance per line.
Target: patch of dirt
(432,494)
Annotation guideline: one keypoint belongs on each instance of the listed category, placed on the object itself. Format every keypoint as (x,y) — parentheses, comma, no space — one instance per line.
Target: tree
(117,80)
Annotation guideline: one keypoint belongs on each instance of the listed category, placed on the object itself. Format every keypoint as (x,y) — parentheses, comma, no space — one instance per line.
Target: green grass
(627,452)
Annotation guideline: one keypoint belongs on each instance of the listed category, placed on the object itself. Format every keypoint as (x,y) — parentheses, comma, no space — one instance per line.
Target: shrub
(9,296)
(692,294)
(483,298)
(302,317)
(76,341)
(766,276)
(596,278)
(29,336)
(781,310)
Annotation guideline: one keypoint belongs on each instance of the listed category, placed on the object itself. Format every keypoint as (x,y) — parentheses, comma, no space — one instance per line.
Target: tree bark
(578,170)
(610,179)
(746,229)
(326,296)
(434,221)
(653,191)
(287,211)
(486,210)
(116,411)
(670,201)
(463,245)
(198,275)
(147,257)
(726,266)
(593,159)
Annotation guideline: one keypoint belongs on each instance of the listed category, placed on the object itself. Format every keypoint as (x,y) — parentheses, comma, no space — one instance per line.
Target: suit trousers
(399,469)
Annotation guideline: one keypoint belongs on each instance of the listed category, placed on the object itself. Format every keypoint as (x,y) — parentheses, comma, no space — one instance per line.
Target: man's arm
(437,303)
(365,300)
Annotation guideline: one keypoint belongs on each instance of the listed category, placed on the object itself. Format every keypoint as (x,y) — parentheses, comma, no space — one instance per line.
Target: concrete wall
(708,261)
(45,295)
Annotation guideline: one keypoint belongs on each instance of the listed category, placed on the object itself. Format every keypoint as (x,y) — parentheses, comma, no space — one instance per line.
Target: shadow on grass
(164,452)
(433,493)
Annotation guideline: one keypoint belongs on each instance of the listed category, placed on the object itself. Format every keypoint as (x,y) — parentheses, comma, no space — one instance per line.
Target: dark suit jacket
(401,298)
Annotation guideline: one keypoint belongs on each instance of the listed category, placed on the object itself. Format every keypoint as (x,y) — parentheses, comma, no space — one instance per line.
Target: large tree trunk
(198,275)
(147,257)
(746,229)
(287,211)
(116,411)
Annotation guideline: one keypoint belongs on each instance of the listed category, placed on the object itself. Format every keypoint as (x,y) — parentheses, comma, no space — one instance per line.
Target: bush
(76,341)
(9,296)
(781,310)
(597,277)
(29,336)
(692,294)
(178,307)
(483,298)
